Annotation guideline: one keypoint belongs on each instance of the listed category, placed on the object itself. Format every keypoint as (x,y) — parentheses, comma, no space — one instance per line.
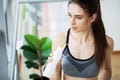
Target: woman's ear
(93,17)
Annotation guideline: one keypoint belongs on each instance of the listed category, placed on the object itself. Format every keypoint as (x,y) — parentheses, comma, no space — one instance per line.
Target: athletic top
(80,68)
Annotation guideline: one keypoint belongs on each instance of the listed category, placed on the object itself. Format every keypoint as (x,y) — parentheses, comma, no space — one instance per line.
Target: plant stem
(40,58)
(40,62)
(39,51)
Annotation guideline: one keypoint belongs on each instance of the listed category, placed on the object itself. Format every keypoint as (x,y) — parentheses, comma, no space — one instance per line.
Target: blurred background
(44,18)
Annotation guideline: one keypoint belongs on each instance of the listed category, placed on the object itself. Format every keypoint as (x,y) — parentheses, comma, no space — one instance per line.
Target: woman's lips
(74,27)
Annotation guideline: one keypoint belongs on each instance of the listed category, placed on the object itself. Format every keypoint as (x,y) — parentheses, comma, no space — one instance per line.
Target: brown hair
(91,7)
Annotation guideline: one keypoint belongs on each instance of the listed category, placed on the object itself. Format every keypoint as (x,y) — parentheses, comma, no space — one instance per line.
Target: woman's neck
(84,36)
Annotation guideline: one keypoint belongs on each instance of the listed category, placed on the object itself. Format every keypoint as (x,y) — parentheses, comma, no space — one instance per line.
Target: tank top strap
(67,40)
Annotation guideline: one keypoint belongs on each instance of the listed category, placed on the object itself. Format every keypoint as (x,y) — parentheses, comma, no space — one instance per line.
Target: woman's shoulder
(110,41)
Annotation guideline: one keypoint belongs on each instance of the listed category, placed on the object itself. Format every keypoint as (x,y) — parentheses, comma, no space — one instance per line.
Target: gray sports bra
(77,67)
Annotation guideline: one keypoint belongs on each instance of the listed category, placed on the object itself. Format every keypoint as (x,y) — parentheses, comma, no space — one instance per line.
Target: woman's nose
(72,21)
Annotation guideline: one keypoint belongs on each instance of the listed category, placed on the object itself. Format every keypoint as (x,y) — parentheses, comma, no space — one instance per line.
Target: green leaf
(46,43)
(46,48)
(31,64)
(32,41)
(33,76)
(45,56)
(30,55)
(44,60)
(46,53)
(28,48)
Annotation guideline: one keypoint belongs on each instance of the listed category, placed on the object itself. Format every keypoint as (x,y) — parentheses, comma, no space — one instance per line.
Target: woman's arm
(106,73)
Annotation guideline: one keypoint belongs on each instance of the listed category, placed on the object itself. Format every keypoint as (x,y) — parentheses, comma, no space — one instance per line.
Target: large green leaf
(28,48)
(46,48)
(45,43)
(30,55)
(45,55)
(31,64)
(29,52)
(32,41)
(33,76)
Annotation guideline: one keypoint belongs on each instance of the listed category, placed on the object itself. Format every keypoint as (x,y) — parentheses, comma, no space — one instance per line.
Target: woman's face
(79,19)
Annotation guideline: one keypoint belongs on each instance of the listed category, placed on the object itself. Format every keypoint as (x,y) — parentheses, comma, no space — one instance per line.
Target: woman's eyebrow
(77,15)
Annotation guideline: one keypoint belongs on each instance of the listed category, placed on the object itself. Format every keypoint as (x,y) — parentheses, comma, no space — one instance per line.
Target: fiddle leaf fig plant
(36,51)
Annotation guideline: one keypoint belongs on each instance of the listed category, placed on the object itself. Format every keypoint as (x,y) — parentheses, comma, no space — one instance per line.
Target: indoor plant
(36,51)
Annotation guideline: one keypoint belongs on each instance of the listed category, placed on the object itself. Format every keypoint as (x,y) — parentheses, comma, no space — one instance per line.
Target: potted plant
(36,51)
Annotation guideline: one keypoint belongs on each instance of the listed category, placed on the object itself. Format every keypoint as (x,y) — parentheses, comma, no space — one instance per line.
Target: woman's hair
(91,7)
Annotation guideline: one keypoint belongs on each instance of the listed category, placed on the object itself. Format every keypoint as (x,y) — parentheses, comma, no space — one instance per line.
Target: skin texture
(81,42)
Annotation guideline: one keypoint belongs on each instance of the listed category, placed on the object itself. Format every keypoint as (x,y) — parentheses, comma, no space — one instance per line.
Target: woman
(87,49)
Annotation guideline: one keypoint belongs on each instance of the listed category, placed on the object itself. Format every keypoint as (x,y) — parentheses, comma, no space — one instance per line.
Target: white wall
(111,18)
(58,18)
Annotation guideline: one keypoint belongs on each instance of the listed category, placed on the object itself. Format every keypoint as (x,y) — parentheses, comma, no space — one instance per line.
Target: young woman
(87,49)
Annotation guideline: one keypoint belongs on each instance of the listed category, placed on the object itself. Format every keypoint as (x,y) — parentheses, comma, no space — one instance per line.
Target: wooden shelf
(116,52)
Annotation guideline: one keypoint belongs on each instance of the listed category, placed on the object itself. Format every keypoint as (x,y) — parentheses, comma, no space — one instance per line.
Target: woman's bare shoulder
(110,47)
(110,41)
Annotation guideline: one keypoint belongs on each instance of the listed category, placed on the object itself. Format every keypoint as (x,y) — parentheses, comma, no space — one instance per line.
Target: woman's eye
(79,18)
